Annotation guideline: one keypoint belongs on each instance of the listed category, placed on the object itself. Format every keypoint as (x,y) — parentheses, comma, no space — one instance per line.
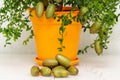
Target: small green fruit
(98,47)
(50,10)
(39,9)
(60,73)
(58,1)
(63,60)
(95,27)
(35,71)
(50,63)
(58,67)
(45,71)
(73,70)
(83,10)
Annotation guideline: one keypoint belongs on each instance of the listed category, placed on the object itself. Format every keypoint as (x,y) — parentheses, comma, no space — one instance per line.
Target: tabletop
(16,66)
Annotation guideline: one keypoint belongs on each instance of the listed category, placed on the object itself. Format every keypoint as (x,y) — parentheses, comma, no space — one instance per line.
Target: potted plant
(97,16)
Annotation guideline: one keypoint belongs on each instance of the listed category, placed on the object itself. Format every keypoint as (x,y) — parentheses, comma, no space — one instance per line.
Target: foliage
(103,11)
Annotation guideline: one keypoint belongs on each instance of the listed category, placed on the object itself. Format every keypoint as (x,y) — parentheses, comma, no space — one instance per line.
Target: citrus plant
(97,16)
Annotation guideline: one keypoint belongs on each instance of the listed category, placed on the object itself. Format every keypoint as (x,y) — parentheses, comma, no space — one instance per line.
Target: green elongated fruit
(50,63)
(83,10)
(95,27)
(60,73)
(45,71)
(58,1)
(63,60)
(35,71)
(39,9)
(50,10)
(73,70)
(58,67)
(98,47)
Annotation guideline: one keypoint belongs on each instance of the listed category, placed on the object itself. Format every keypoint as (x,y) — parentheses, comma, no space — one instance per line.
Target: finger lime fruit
(98,47)
(73,70)
(83,10)
(58,1)
(50,10)
(63,60)
(50,62)
(45,71)
(58,67)
(95,27)
(35,71)
(39,9)
(60,73)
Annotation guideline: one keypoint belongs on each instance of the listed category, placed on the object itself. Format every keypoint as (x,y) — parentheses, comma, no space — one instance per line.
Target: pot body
(46,33)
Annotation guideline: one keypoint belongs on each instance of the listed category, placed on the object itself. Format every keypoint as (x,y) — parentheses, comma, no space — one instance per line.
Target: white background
(17,59)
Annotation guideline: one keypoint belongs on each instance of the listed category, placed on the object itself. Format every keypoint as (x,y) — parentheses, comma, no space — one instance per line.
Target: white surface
(16,66)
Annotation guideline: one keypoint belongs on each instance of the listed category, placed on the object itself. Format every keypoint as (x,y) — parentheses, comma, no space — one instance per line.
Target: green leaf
(67,22)
(60,49)
(60,40)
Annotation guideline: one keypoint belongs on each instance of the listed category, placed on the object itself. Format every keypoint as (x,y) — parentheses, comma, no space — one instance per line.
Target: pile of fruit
(58,67)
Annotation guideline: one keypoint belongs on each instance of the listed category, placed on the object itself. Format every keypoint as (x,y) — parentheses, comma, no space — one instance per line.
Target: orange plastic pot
(46,32)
